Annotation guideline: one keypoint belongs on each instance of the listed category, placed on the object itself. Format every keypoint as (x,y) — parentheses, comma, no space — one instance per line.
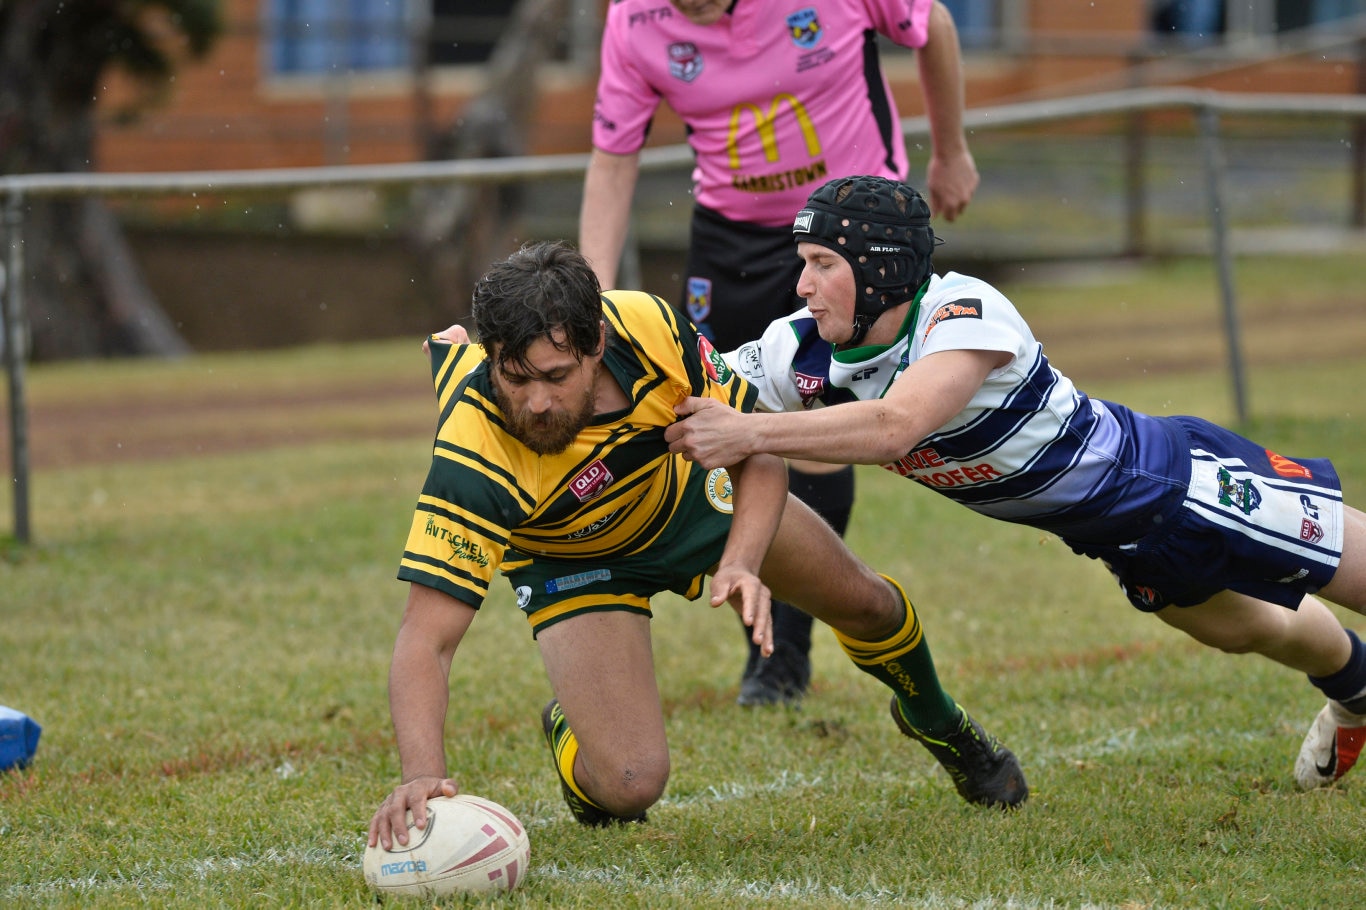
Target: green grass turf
(205,641)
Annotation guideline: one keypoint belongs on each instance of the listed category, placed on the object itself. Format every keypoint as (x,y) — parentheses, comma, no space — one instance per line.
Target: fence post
(16,353)
(1214,182)
(1135,153)
(1359,144)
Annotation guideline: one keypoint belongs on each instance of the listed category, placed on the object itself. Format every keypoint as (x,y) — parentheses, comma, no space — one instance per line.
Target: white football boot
(1331,747)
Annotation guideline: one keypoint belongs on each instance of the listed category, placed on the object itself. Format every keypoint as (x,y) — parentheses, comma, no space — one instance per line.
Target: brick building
(310,82)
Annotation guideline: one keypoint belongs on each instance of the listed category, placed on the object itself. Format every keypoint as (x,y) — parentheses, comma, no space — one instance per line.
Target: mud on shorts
(1252,521)
(549,590)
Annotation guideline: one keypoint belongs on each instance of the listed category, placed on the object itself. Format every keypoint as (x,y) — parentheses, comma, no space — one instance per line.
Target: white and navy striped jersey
(1029,448)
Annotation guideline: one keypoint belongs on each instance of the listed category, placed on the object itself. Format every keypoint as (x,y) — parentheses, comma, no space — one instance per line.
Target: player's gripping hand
(390,821)
(455,334)
(709,433)
(751,600)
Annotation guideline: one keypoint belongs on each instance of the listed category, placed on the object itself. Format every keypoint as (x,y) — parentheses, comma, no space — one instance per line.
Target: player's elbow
(885,437)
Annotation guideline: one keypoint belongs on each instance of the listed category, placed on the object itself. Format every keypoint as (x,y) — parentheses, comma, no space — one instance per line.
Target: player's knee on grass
(630,788)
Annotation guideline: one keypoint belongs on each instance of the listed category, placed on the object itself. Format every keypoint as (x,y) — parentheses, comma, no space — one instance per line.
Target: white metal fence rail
(1206,107)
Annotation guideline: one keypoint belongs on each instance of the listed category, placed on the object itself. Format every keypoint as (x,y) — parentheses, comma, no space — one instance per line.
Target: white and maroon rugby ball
(469,844)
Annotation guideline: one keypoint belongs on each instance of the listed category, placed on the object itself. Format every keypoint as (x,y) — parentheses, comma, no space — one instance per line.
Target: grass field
(203,631)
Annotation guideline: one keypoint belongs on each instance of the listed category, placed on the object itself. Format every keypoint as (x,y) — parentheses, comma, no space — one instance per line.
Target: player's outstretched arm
(759,490)
(419,691)
(929,393)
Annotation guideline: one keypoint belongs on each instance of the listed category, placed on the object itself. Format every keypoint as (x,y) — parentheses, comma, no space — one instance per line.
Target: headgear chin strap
(882,227)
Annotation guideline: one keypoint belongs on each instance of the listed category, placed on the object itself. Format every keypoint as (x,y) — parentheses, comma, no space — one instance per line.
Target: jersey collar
(871,351)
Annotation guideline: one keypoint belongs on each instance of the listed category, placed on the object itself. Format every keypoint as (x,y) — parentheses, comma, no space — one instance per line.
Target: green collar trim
(871,351)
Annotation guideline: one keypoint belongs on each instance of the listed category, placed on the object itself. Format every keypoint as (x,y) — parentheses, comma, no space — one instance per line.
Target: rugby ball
(469,844)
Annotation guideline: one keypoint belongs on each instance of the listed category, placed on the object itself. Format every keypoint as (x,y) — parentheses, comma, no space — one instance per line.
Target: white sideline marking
(165,877)
(345,853)
(673,887)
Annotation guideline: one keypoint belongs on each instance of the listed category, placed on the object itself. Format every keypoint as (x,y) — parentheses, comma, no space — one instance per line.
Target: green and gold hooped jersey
(489,502)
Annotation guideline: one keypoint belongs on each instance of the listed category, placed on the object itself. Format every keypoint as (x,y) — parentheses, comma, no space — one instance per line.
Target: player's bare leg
(601,669)
(1309,639)
(809,566)
(1348,587)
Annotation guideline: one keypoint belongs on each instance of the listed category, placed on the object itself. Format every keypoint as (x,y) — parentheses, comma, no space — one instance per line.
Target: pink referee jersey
(778,96)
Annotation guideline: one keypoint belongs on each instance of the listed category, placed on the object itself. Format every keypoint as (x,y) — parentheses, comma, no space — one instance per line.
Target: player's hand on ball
(390,822)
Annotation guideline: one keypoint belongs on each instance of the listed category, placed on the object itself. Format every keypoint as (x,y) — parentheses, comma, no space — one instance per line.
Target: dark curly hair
(543,287)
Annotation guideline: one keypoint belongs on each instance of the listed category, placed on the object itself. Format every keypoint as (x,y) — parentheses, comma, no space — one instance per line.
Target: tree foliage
(84,292)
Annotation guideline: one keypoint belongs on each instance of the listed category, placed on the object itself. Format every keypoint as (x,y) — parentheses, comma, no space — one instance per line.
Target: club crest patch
(699,299)
(685,61)
(719,492)
(1239,493)
(804,27)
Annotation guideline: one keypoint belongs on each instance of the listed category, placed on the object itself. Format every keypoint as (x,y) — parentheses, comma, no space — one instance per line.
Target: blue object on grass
(18,738)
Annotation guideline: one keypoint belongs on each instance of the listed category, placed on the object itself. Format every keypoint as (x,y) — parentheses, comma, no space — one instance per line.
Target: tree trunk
(84,290)
(460,231)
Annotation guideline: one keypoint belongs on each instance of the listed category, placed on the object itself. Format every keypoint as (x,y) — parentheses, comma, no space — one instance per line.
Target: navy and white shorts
(1252,521)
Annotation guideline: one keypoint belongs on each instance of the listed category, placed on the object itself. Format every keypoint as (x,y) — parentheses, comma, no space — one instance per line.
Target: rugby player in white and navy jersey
(550,467)
(939,379)
(777,97)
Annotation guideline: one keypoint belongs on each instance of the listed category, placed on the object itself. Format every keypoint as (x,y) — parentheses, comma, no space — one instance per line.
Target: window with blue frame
(1206,21)
(322,36)
(978,22)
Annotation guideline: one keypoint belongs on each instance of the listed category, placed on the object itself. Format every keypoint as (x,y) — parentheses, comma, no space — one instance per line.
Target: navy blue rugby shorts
(1252,521)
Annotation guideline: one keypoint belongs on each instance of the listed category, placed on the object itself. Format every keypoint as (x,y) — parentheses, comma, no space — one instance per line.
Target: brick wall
(224,113)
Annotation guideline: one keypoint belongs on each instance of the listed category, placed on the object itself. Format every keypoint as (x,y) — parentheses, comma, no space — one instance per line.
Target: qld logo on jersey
(591,481)
(685,61)
(804,28)
(808,387)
